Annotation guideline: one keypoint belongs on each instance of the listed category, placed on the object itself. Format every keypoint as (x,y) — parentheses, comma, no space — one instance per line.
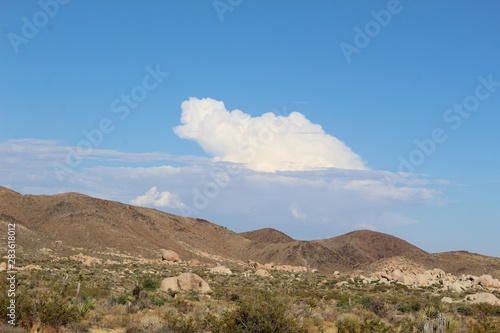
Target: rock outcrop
(185,281)
(487,282)
(483,298)
(222,270)
(86,260)
(420,278)
(284,268)
(262,273)
(169,255)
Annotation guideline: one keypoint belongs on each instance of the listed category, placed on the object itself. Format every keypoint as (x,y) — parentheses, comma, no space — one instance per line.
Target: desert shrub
(263,315)
(150,284)
(93,291)
(84,307)
(344,302)
(348,324)
(47,307)
(485,309)
(125,299)
(465,310)
(378,307)
(431,311)
(151,323)
(182,305)
(181,324)
(193,295)
(483,326)
(365,302)
(54,311)
(411,306)
(157,300)
(374,305)
(381,288)
(408,326)
(7,328)
(451,325)
(352,324)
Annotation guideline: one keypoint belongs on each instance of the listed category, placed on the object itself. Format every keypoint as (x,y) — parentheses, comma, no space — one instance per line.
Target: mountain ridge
(71,222)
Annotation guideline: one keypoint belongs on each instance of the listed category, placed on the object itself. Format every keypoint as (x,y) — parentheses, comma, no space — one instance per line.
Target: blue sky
(332,97)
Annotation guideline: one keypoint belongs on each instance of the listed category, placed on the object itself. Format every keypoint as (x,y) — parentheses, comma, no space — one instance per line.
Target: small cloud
(297,214)
(158,199)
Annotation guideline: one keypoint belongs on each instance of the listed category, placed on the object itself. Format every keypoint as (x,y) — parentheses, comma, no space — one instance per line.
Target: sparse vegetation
(290,302)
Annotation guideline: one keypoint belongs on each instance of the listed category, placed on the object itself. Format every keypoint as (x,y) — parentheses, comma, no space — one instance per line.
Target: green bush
(150,284)
(409,307)
(485,309)
(483,326)
(465,310)
(47,307)
(348,324)
(264,315)
(351,324)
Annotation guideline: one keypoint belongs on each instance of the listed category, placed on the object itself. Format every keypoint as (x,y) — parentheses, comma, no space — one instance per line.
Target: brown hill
(339,253)
(71,220)
(71,223)
(364,246)
(267,235)
(463,262)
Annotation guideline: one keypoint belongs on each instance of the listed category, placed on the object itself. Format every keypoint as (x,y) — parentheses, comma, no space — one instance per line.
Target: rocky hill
(267,235)
(71,223)
(363,247)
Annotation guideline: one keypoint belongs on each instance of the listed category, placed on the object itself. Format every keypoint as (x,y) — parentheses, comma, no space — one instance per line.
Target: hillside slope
(80,221)
(364,246)
(71,223)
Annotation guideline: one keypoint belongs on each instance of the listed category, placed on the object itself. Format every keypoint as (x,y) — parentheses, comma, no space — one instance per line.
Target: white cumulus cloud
(266,143)
(153,197)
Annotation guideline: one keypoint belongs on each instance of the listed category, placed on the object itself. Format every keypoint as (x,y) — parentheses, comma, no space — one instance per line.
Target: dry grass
(129,301)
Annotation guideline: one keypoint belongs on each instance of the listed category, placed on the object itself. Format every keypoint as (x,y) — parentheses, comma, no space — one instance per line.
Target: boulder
(456,287)
(438,273)
(396,274)
(223,270)
(185,281)
(194,262)
(262,273)
(92,261)
(483,298)
(169,283)
(488,282)
(170,255)
(254,264)
(191,281)
(424,279)
(3,266)
(270,265)
(406,279)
